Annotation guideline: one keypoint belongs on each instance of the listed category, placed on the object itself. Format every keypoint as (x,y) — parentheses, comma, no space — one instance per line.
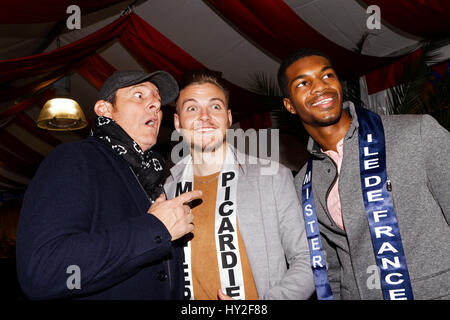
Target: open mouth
(324,101)
(151,123)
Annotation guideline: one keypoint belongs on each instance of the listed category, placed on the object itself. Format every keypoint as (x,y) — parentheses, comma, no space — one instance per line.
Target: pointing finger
(189,196)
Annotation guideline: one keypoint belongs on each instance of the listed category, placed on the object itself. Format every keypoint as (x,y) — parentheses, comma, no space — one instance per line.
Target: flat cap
(167,85)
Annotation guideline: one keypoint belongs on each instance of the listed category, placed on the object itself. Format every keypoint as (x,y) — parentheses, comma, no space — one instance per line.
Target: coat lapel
(251,227)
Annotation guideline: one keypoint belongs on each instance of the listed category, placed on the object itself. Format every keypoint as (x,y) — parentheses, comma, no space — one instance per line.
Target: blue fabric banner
(317,259)
(376,187)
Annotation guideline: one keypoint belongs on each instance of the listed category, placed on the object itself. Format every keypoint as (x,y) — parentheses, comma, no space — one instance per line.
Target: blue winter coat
(84,231)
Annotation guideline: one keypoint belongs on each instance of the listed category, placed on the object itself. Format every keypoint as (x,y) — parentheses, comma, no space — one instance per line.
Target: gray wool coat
(417,160)
(272,229)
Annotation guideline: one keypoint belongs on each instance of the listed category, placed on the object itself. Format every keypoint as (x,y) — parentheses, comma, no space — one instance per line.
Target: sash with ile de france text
(225,225)
(385,234)
(376,188)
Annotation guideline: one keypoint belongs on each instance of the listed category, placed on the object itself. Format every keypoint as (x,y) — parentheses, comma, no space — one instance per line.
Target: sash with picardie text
(225,225)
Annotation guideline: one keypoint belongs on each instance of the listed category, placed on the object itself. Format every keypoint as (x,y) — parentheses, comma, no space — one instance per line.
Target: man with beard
(377,188)
(94,222)
(248,224)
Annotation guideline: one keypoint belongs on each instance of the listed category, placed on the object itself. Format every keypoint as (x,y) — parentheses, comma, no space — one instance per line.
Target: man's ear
(176,122)
(230,118)
(103,108)
(288,105)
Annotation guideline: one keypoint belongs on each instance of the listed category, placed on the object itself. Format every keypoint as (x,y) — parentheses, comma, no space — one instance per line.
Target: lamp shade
(61,114)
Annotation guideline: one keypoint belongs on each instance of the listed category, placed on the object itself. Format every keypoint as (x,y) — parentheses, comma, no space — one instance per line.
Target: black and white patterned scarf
(148,166)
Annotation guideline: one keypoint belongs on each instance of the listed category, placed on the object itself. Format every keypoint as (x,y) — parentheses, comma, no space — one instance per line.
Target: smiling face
(315,93)
(137,110)
(203,115)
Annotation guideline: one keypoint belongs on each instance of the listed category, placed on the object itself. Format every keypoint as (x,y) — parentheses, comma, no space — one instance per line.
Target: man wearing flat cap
(95,223)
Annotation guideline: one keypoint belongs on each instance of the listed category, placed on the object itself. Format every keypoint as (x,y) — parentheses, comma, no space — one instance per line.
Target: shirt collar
(339,148)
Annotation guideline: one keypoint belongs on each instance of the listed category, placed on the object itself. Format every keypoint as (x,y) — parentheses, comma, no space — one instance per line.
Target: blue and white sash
(318,263)
(387,244)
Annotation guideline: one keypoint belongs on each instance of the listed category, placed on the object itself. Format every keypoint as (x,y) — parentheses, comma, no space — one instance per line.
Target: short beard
(212,153)
(330,122)
(208,148)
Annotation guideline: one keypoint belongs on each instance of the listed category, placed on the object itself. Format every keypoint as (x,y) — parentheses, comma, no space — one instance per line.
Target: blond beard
(212,152)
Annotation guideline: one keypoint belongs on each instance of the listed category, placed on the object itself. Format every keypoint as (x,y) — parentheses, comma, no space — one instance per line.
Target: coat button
(162,275)
(158,239)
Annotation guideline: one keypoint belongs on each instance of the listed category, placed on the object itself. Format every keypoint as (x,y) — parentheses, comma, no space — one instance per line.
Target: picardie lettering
(225,225)
(228,264)
(227,176)
(226,240)
(232,291)
(222,211)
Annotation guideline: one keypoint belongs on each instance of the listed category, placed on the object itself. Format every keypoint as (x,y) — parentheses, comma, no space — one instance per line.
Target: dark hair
(112,98)
(289,60)
(204,76)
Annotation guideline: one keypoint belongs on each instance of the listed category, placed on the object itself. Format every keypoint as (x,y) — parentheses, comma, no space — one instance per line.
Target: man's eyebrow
(194,100)
(217,99)
(300,76)
(188,100)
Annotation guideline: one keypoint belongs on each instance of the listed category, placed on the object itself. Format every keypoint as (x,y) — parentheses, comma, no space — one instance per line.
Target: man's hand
(223,296)
(175,214)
